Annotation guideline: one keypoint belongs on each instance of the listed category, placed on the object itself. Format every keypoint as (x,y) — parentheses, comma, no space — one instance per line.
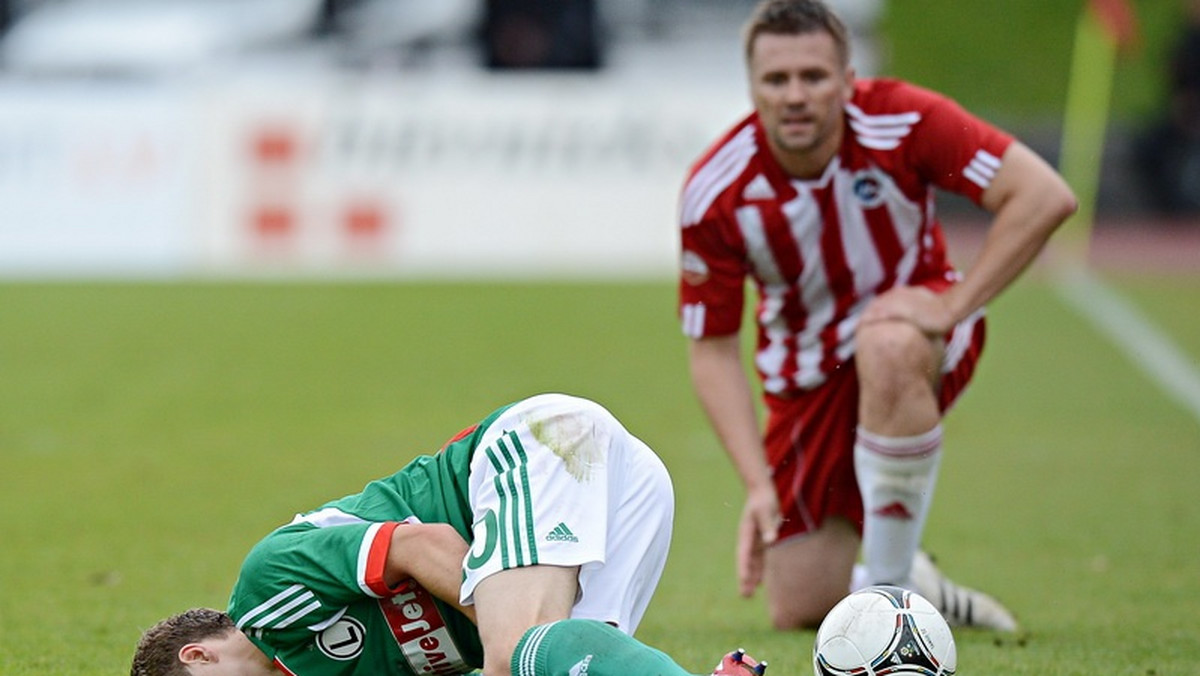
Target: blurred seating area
(153,37)
(1155,168)
(149,37)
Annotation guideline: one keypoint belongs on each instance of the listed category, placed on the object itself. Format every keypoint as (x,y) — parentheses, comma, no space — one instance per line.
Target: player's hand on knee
(928,311)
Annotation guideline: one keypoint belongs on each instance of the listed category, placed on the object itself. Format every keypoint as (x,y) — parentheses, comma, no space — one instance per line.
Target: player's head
(157,652)
(795,17)
(800,80)
(199,641)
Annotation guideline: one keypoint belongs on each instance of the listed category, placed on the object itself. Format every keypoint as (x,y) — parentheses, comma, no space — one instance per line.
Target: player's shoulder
(261,575)
(884,96)
(888,114)
(739,141)
(722,167)
(264,557)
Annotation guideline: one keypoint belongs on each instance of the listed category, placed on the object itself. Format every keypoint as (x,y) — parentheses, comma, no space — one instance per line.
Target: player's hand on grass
(759,527)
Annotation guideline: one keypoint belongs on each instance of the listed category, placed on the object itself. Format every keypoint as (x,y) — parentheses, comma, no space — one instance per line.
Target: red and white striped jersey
(820,250)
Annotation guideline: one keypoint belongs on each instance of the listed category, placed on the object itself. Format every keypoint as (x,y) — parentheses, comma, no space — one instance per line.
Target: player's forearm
(723,388)
(1007,252)
(1029,201)
(432,554)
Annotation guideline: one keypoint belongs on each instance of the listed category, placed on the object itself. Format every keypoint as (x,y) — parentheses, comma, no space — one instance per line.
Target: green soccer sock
(588,648)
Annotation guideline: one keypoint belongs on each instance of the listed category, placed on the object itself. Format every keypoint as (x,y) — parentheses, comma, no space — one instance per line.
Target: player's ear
(849,76)
(196,653)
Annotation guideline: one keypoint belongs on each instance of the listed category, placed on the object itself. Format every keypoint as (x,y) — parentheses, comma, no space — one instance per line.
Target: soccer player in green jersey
(529,545)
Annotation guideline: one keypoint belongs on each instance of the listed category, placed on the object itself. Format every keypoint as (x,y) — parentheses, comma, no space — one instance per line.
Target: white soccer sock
(896,476)
(859,578)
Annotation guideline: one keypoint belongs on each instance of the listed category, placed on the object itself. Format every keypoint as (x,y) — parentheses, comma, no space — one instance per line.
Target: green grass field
(150,433)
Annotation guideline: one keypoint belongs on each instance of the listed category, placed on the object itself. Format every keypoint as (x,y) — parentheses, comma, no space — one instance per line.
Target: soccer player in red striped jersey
(866,334)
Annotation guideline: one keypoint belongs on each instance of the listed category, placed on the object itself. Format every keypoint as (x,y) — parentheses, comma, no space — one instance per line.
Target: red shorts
(810,437)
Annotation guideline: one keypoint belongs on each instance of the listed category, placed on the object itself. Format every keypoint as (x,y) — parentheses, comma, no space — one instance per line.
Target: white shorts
(557,480)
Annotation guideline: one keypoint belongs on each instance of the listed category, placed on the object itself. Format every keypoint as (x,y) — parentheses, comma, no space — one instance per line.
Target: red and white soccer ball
(883,631)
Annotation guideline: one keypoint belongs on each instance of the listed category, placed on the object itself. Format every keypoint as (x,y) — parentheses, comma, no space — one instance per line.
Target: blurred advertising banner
(95,180)
(476,175)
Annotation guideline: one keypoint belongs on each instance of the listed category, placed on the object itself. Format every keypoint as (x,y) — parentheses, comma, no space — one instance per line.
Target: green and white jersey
(549,480)
(311,594)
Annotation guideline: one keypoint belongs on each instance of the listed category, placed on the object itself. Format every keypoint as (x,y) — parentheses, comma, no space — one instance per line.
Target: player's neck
(809,163)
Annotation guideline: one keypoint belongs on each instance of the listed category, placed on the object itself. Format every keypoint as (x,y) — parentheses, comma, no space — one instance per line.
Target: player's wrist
(759,485)
(956,305)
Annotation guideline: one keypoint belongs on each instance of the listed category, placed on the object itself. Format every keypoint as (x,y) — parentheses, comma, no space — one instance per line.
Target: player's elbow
(1062,202)
(1027,185)
(1053,204)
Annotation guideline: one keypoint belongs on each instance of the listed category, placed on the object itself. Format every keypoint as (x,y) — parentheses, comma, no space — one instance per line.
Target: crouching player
(529,545)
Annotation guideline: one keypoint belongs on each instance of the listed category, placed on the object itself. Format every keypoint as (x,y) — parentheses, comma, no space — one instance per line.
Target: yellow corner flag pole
(1103,27)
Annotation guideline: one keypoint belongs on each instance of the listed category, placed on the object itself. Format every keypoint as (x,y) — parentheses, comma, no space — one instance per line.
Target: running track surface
(1123,246)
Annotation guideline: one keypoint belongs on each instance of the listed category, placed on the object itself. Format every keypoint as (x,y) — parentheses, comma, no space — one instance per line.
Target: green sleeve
(300,577)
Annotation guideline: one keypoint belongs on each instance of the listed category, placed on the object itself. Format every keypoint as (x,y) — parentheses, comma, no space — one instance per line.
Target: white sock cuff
(919,446)
(859,577)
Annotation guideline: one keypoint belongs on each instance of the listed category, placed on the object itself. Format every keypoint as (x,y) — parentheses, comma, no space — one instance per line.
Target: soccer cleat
(961,606)
(738,663)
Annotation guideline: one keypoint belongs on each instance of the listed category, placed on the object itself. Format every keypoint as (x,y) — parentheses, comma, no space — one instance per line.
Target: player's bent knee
(798,615)
(803,604)
(889,340)
(893,350)
(807,575)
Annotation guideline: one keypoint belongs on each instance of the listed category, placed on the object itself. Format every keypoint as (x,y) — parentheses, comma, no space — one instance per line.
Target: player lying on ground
(529,545)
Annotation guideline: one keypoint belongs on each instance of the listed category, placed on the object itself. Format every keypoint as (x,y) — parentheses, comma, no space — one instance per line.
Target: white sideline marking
(1135,335)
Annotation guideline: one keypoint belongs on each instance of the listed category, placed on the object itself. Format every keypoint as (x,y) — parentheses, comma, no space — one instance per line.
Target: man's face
(799,87)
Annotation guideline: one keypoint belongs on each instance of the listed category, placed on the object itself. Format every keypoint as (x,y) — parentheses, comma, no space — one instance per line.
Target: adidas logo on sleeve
(561,534)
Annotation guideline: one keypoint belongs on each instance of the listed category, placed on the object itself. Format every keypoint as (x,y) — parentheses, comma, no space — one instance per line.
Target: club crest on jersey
(868,189)
(343,640)
(692,268)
